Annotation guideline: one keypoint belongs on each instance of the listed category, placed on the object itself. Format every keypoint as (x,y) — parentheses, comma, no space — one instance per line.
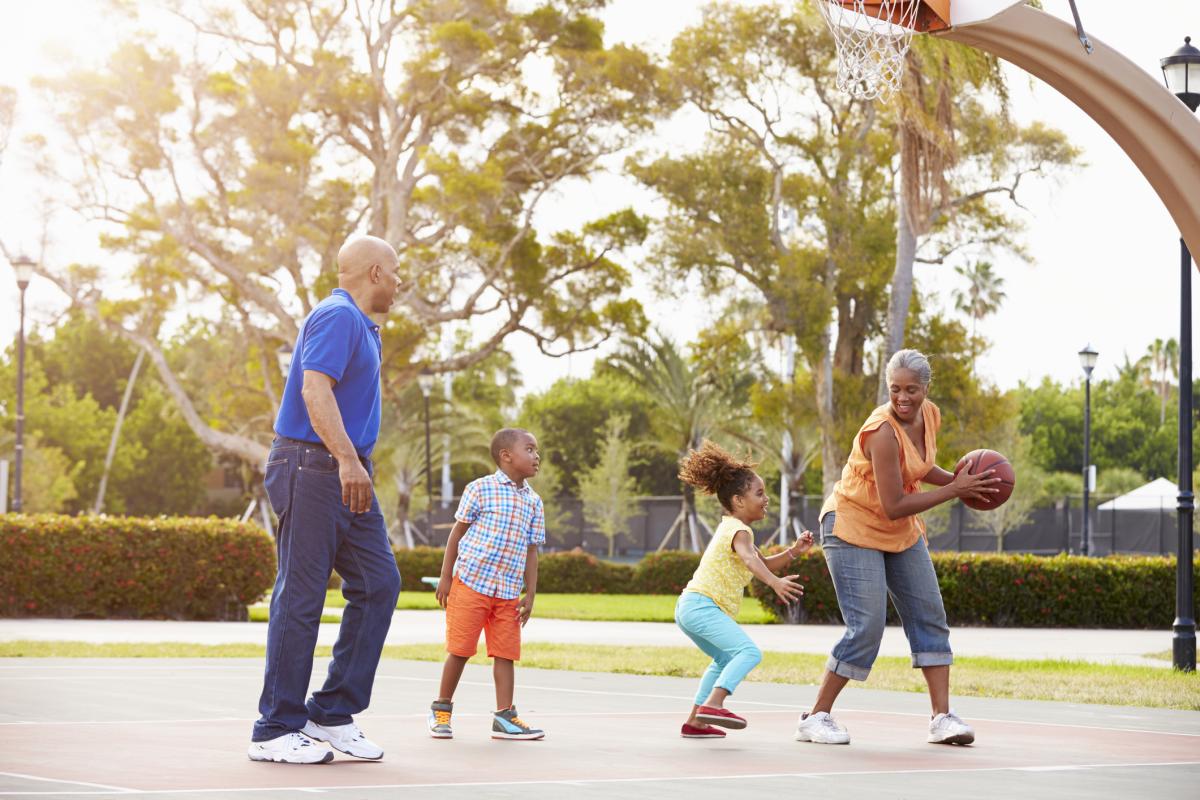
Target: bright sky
(1105,252)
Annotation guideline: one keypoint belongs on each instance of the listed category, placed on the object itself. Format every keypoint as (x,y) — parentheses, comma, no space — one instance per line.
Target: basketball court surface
(175,728)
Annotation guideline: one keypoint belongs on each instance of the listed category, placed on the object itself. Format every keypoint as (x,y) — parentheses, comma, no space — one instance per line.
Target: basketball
(982,461)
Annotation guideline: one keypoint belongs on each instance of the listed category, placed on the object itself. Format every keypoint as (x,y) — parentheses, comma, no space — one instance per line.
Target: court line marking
(24,776)
(780,706)
(604,781)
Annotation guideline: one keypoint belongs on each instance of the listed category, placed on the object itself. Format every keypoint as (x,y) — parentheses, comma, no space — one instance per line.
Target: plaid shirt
(505,520)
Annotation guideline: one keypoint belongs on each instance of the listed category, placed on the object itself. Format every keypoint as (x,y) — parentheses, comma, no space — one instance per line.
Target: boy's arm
(531,563)
(447,577)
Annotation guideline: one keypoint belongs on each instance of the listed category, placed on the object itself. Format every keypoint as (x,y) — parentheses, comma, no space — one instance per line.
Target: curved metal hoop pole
(1150,124)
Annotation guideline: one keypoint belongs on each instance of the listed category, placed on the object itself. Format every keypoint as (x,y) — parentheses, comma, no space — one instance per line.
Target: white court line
(23,776)
(653,779)
(781,706)
(416,715)
(793,707)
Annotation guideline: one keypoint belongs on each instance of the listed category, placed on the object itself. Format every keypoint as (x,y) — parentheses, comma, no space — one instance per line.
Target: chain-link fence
(1056,528)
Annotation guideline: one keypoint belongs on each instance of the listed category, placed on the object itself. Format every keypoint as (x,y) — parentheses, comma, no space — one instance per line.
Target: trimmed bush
(417,563)
(53,565)
(582,573)
(666,572)
(1020,591)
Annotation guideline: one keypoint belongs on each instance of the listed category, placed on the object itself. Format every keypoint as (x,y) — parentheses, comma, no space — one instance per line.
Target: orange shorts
(468,612)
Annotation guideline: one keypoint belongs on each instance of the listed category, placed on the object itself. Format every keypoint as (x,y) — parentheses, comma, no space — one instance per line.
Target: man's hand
(525,608)
(357,491)
(443,590)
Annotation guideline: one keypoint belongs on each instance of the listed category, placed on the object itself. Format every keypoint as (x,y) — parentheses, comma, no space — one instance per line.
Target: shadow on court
(165,728)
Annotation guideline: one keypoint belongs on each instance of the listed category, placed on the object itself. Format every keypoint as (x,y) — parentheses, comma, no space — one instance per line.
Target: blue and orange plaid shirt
(505,520)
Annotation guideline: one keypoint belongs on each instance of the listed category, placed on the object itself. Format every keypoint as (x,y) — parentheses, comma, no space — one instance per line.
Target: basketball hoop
(872,37)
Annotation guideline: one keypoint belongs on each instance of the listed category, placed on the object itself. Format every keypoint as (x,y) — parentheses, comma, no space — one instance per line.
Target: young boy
(493,546)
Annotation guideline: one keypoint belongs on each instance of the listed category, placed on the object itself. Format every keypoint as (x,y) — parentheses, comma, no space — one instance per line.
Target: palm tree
(691,404)
(1162,361)
(982,297)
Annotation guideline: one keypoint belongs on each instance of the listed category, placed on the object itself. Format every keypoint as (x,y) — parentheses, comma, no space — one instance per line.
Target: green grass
(607,607)
(1161,655)
(1063,681)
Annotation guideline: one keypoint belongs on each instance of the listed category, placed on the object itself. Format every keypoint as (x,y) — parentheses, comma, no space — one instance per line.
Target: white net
(872,42)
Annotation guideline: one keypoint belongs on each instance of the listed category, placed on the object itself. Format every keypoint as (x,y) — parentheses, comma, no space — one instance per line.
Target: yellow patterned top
(721,575)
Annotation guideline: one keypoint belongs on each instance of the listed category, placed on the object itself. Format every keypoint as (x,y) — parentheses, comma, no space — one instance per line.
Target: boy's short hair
(504,439)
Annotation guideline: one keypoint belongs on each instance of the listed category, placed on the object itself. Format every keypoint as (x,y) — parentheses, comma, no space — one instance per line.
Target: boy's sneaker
(821,728)
(346,738)
(507,725)
(439,720)
(720,716)
(696,732)
(949,729)
(291,748)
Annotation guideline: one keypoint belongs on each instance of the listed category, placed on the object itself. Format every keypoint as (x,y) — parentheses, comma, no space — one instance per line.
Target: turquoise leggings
(715,632)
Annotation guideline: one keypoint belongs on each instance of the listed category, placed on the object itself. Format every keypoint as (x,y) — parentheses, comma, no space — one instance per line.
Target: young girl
(709,604)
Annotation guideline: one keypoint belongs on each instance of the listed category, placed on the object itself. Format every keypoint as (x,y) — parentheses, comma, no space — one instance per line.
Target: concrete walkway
(414,627)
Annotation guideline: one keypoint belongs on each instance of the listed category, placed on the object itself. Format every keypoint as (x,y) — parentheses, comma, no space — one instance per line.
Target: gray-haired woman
(874,545)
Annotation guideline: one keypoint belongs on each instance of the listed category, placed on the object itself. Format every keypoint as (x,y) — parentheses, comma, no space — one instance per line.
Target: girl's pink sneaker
(720,716)
(707,732)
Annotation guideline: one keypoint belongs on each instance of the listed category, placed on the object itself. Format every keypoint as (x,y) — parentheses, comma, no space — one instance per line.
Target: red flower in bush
(1018,581)
(965,568)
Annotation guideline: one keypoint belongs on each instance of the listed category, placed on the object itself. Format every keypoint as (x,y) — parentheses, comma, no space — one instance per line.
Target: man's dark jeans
(317,534)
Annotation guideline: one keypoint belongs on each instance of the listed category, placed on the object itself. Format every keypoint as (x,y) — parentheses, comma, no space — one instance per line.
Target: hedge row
(573,572)
(169,567)
(1019,591)
(977,588)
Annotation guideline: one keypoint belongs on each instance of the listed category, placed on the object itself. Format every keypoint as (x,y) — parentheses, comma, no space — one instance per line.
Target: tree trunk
(116,434)
(831,465)
(901,294)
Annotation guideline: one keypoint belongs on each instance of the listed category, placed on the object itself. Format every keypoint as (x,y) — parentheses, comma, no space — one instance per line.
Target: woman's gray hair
(913,360)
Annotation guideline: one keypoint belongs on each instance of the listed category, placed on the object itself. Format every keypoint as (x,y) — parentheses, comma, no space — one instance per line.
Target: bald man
(318,479)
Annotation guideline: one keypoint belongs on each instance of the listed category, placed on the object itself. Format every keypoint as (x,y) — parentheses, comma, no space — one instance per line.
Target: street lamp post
(1181,71)
(1087,359)
(425,381)
(23,266)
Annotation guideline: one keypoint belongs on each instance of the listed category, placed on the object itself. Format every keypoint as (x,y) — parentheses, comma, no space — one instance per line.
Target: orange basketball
(982,461)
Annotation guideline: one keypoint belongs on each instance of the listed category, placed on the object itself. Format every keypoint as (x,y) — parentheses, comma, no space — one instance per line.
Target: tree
(958,151)
(690,404)
(1162,361)
(230,176)
(569,419)
(791,195)
(982,296)
(1026,495)
(607,489)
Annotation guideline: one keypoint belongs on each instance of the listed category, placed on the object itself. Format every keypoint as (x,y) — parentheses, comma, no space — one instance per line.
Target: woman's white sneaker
(821,728)
(291,748)
(949,729)
(346,738)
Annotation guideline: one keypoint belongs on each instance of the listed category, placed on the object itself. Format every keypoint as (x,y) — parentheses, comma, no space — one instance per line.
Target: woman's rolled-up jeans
(864,579)
(715,632)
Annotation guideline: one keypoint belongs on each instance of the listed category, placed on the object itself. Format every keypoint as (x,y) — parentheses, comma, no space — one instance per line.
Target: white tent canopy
(1158,494)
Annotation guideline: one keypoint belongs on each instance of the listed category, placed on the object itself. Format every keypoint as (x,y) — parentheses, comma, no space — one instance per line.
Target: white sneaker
(291,748)
(949,729)
(821,728)
(346,738)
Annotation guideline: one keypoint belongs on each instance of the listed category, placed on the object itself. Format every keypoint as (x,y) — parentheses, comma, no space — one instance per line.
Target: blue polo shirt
(339,340)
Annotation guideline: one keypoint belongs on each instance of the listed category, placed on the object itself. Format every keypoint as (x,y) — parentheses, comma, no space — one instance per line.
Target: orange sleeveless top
(860,519)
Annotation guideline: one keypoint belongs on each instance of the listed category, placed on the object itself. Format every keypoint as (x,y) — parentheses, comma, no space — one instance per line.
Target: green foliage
(1126,428)
(569,419)
(582,573)
(1118,480)
(75,376)
(417,563)
(167,567)
(1021,591)
(665,572)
